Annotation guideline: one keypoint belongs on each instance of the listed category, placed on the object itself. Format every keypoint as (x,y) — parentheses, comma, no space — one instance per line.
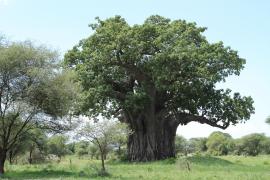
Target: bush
(219,143)
(252,145)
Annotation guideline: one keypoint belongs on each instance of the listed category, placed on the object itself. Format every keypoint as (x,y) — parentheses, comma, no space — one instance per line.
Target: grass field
(201,168)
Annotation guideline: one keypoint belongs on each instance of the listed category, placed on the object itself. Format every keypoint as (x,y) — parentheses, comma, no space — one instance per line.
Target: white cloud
(4,2)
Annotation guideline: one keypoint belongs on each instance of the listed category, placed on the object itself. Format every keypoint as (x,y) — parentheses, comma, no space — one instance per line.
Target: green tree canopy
(34,92)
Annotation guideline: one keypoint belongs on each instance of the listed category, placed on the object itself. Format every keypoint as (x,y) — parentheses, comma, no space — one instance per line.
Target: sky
(242,25)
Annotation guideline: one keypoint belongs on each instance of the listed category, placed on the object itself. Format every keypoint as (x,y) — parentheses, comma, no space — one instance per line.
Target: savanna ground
(201,168)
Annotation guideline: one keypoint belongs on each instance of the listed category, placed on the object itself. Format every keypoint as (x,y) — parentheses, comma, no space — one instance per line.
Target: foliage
(34,93)
(32,142)
(181,145)
(57,145)
(119,64)
(103,134)
(265,144)
(200,144)
(219,143)
(267,120)
(155,76)
(71,147)
(94,151)
(193,145)
(252,144)
(81,148)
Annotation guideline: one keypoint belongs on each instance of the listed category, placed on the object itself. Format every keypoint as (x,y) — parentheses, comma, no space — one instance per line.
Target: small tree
(58,145)
(81,148)
(219,143)
(93,151)
(103,134)
(34,93)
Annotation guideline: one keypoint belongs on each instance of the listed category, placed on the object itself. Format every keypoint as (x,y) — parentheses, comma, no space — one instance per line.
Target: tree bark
(3,155)
(102,163)
(119,150)
(10,157)
(30,160)
(152,140)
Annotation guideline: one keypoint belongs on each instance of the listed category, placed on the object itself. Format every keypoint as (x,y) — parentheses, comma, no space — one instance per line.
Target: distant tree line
(98,140)
(37,147)
(219,144)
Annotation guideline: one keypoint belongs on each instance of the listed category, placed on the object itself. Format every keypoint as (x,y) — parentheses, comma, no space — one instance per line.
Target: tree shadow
(54,174)
(41,174)
(209,160)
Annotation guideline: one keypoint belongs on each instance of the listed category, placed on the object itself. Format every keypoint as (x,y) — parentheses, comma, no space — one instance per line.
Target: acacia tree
(33,93)
(156,76)
(103,134)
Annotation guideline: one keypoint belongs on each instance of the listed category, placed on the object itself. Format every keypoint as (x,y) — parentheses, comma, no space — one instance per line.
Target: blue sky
(243,25)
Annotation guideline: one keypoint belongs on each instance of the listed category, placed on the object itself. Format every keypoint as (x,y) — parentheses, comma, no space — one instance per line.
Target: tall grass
(194,168)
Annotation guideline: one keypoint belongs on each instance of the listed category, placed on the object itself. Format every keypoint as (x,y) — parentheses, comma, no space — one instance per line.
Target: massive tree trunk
(3,155)
(153,134)
(152,140)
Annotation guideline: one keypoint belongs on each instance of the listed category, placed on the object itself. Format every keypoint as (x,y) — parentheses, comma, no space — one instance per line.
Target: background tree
(265,145)
(71,147)
(120,143)
(57,145)
(199,144)
(34,93)
(154,77)
(267,120)
(181,145)
(103,134)
(219,143)
(81,148)
(94,151)
(252,144)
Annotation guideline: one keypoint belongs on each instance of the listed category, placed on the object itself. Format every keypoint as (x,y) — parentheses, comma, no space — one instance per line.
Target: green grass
(201,168)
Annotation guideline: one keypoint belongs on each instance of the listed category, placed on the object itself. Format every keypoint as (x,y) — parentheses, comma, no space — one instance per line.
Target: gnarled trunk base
(152,142)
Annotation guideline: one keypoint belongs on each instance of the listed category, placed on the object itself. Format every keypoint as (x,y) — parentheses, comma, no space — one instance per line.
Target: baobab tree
(155,77)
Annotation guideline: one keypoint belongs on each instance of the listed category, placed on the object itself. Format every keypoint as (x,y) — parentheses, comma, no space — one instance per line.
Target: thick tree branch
(131,68)
(184,118)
